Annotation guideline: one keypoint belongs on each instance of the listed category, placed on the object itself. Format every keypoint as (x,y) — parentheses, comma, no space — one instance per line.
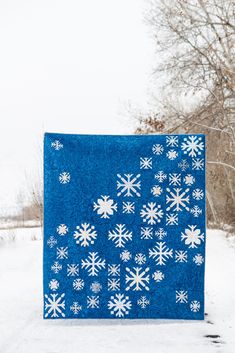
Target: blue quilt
(124,226)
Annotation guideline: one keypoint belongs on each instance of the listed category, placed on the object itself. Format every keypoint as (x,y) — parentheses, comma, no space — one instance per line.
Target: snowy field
(22,329)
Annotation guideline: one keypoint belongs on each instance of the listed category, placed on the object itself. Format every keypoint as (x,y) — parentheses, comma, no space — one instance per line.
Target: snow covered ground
(22,329)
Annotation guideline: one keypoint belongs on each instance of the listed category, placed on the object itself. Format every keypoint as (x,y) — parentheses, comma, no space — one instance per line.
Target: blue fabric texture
(124,226)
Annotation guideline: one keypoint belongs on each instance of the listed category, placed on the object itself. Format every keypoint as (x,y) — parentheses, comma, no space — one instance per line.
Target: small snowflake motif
(172,141)
(192,237)
(143,302)
(105,207)
(72,270)
(157,149)
(93,302)
(156,190)
(137,278)
(95,287)
(113,284)
(196,211)
(85,234)
(160,176)
(76,308)
(158,276)
(195,306)
(151,213)
(53,285)
(172,154)
(183,165)
(198,194)
(113,270)
(145,163)
(175,179)
(78,284)
(181,296)
(146,233)
(120,235)
(51,242)
(56,267)
(198,259)
(62,229)
(54,305)
(62,253)
(119,305)
(189,180)
(198,164)
(192,146)
(178,199)
(57,145)
(140,259)
(128,185)
(128,207)
(160,253)
(172,219)
(181,256)
(64,178)
(93,264)
(160,233)
(125,255)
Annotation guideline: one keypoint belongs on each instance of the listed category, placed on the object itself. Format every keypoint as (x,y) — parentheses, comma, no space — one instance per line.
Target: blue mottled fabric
(124,226)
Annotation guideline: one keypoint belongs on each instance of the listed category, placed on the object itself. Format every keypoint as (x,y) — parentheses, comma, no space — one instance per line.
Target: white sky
(66,66)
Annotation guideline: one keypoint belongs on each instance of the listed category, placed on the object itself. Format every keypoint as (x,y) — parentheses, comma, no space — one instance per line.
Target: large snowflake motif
(192,236)
(128,185)
(161,253)
(93,264)
(119,305)
(192,146)
(85,234)
(54,305)
(178,200)
(120,235)
(151,213)
(137,278)
(105,206)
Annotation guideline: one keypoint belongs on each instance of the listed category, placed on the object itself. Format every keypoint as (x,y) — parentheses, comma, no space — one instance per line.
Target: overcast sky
(66,66)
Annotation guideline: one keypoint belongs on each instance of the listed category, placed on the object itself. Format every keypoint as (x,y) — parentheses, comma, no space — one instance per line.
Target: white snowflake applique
(93,302)
(192,236)
(76,308)
(161,233)
(54,285)
(72,270)
(198,194)
(128,185)
(192,145)
(146,163)
(196,211)
(119,305)
(125,255)
(189,180)
(175,179)
(157,149)
(172,154)
(85,234)
(183,165)
(95,287)
(198,164)
(113,270)
(156,190)
(158,276)
(56,267)
(172,219)
(93,264)
(57,145)
(62,253)
(181,296)
(177,199)
(161,253)
(51,242)
(198,259)
(143,302)
(120,235)
(64,178)
(137,278)
(78,284)
(195,306)
(62,229)
(113,284)
(172,141)
(151,213)
(128,207)
(105,206)
(181,256)
(146,233)
(160,176)
(54,305)
(140,259)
